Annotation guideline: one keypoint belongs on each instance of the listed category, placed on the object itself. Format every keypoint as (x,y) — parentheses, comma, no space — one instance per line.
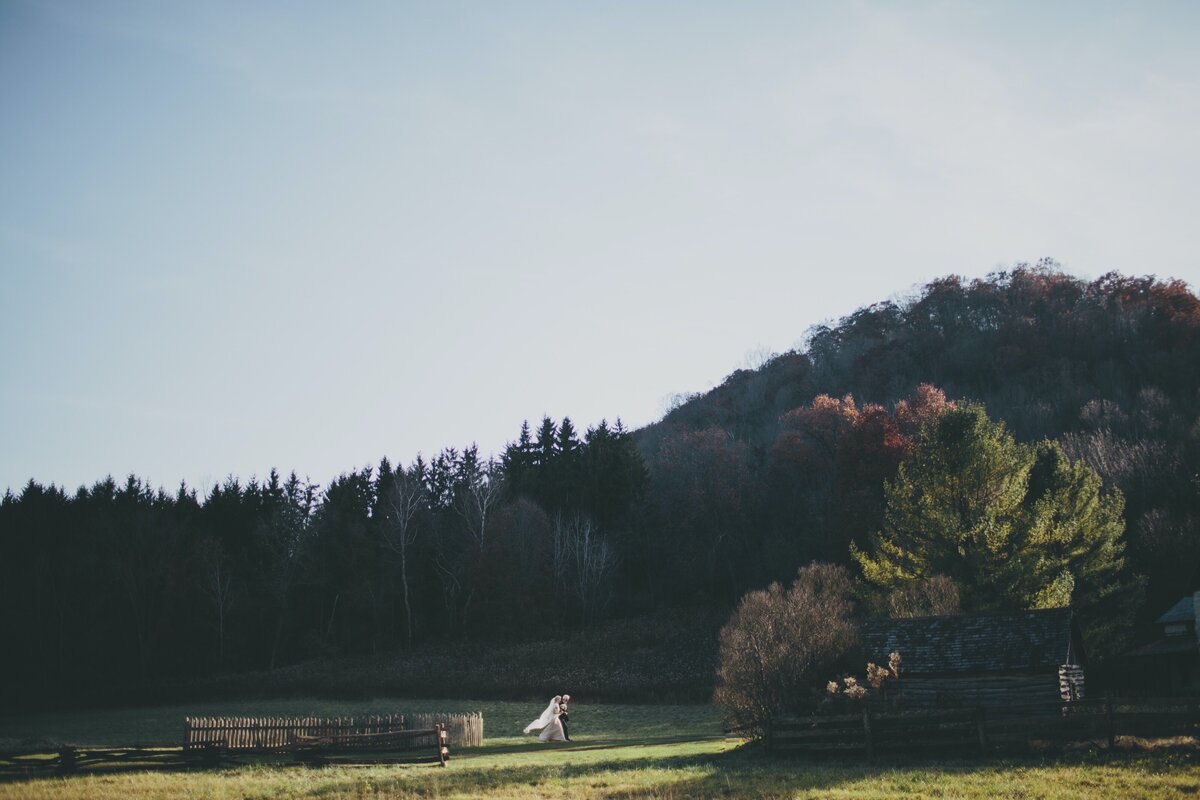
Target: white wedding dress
(548,723)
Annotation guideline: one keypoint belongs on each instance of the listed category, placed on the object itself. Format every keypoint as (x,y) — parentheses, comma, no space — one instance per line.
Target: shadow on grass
(742,772)
(416,779)
(484,780)
(35,765)
(750,772)
(30,769)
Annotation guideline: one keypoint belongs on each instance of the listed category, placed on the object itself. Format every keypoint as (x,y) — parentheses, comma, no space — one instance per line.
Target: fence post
(867,732)
(981,725)
(66,759)
(1112,730)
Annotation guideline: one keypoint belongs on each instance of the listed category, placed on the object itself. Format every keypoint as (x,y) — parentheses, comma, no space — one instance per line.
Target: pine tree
(1075,539)
(564,480)
(518,461)
(1015,526)
(954,508)
(546,444)
(567,442)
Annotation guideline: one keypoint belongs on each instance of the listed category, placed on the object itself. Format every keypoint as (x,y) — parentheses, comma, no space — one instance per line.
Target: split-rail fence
(872,730)
(391,738)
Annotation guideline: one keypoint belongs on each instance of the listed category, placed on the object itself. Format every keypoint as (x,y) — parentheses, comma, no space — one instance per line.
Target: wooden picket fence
(983,728)
(274,734)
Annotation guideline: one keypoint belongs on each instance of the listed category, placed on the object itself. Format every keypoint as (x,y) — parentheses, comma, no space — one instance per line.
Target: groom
(566,698)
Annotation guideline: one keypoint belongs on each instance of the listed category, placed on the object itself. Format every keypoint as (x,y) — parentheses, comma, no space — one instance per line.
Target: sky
(237,236)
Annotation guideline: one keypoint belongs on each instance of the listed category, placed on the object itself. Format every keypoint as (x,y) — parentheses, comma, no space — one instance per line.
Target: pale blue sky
(306,235)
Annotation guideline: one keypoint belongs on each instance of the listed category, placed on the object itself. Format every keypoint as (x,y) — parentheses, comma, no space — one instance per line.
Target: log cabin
(993,659)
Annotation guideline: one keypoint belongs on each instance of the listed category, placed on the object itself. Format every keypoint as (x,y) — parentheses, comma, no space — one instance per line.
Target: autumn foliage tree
(831,458)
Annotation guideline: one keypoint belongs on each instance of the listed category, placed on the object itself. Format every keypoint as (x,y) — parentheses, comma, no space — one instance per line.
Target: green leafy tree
(1077,549)
(1013,525)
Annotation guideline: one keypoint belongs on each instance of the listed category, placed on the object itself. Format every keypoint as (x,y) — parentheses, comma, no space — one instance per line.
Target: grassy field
(712,768)
(620,753)
(502,720)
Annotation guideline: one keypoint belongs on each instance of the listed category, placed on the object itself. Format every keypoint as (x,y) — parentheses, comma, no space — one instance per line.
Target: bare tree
(477,498)
(583,562)
(758,357)
(216,582)
(472,491)
(405,499)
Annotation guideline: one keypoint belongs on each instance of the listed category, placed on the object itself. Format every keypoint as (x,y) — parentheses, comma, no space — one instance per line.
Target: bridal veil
(546,716)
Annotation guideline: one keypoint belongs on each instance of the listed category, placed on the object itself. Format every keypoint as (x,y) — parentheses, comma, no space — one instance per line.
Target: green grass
(670,771)
(502,720)
(621,753)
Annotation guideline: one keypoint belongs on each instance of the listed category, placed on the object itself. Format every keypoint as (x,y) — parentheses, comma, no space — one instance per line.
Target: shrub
(850,689)
(778,641)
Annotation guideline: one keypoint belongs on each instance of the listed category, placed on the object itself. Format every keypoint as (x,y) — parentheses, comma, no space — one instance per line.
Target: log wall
(933,691)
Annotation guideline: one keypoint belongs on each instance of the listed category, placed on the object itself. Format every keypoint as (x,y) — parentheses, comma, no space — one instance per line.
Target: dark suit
(563,719)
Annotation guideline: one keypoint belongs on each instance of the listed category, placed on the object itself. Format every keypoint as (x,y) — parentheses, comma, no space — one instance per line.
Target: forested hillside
(1109,368)
(773,469)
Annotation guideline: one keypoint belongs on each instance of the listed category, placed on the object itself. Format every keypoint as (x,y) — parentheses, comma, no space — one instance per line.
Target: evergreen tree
(546,444)
(517,462)
(1015,526)
(612,474)
(564,481)
(954,508)
(567,442)
(1076,545)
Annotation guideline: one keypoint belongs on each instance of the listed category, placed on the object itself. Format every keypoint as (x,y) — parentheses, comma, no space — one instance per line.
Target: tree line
(121,582)
(799,461)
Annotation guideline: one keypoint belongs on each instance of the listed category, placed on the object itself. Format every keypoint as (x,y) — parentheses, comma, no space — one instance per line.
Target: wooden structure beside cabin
(1173,659)
(994,659)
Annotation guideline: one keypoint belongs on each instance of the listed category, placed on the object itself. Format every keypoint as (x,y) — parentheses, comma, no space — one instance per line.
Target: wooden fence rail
(982,728)
(429,745)
(215,740)
(463,730)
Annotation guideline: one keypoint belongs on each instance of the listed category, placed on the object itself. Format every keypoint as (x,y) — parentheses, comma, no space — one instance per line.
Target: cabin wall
(929,691)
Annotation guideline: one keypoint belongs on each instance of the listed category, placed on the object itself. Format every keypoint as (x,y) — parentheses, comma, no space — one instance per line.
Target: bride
(548,723)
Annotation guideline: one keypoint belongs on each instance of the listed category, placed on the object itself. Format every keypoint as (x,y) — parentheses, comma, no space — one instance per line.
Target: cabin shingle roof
(972,643)
(1183,611)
